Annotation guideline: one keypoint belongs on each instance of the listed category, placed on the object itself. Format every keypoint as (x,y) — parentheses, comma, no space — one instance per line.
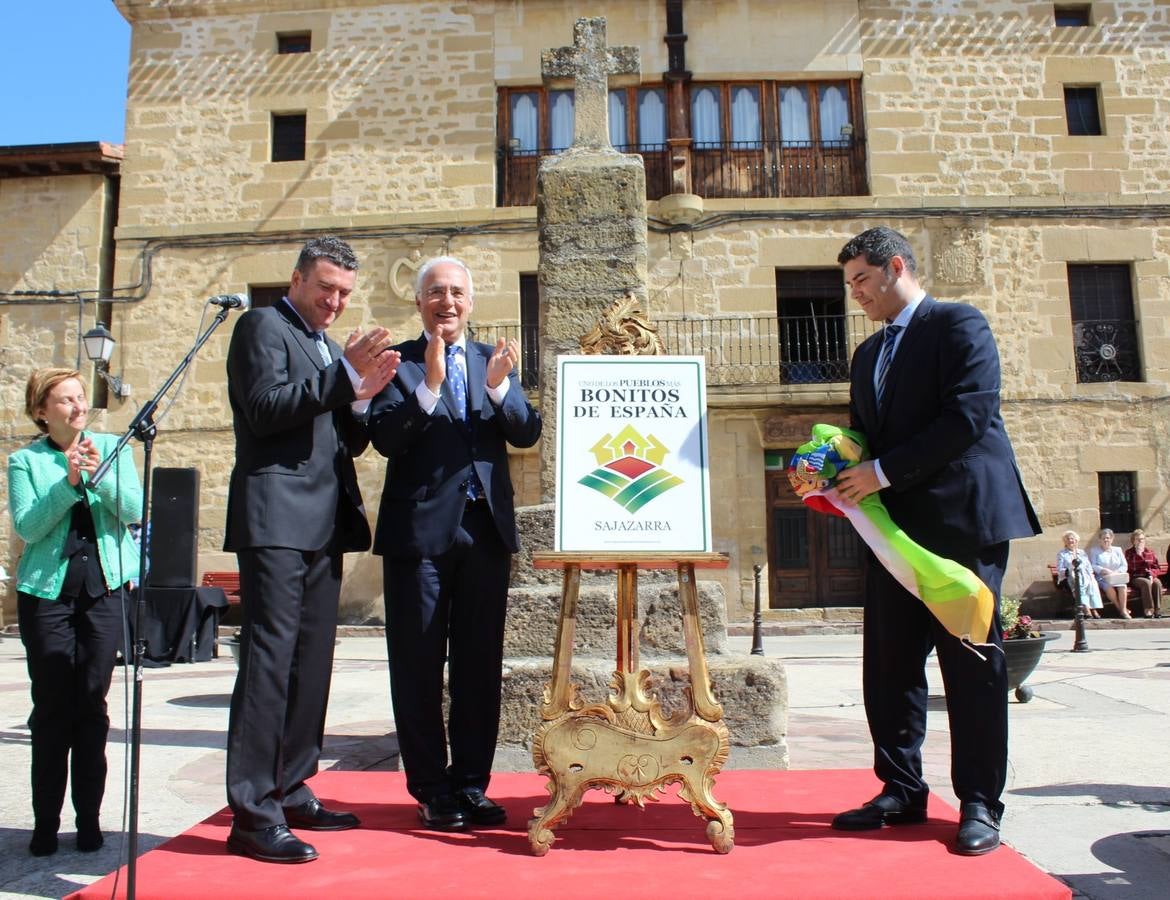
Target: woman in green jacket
(78,557)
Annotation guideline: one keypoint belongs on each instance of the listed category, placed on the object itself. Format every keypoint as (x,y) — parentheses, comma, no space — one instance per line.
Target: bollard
(1080,643)
(758,618)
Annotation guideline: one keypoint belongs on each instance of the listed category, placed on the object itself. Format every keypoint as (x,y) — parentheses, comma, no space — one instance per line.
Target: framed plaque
(632,466)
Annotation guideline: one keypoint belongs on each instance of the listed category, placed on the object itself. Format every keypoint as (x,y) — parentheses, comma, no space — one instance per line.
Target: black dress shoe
(442,813)
(881,810)
(478,809)
(315,817)
(978,829)
(275,844)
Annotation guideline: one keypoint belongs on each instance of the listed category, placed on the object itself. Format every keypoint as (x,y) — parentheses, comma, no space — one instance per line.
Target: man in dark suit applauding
(293,508)
(925,392)
(446,531)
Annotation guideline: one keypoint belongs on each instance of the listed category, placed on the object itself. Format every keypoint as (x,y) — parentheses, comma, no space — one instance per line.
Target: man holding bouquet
(925,393)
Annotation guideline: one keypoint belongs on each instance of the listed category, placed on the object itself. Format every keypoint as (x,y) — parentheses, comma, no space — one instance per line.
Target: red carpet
(783,848)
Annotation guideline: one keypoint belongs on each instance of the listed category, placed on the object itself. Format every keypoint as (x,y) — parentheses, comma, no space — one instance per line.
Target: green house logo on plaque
(629,469)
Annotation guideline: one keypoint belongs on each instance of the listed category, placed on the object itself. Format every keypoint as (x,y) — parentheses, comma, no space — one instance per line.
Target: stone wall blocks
(896,119)
(753,691)
(1054,127)
(1079,69)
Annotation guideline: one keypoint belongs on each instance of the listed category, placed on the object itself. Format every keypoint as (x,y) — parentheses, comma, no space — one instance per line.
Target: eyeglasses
(440,291)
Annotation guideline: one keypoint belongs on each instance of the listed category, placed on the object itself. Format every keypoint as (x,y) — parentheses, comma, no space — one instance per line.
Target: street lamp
(99,347)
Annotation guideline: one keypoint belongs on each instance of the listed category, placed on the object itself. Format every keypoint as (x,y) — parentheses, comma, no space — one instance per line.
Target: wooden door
(814,559)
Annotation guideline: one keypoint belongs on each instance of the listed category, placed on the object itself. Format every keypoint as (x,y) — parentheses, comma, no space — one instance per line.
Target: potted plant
(234,645)
(1022,646)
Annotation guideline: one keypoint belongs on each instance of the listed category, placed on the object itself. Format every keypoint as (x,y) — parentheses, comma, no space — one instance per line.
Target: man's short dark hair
(330,248)
(878,246)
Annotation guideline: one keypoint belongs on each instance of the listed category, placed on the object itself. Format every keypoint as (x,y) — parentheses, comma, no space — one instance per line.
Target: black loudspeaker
(174,528)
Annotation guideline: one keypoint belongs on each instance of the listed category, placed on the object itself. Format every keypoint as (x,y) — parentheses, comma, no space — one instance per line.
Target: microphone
(232,301)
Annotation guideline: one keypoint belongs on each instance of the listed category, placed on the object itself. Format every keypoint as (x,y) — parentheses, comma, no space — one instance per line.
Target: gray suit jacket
(294,483)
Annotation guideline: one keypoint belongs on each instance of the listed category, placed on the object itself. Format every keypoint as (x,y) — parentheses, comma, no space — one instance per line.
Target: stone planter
(1022,655)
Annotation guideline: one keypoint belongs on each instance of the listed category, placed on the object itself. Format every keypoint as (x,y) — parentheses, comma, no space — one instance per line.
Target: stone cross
(589,63)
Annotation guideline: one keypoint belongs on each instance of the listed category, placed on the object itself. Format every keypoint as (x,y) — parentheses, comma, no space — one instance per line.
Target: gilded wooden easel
(626,746)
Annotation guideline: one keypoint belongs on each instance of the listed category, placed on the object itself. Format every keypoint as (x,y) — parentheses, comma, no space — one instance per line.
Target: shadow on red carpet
(783,848)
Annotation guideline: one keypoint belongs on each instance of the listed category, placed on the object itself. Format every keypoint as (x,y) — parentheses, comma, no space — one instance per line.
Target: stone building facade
(418,123)
(58,209)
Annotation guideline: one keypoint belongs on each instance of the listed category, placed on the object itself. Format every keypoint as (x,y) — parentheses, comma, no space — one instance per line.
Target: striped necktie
(885,357)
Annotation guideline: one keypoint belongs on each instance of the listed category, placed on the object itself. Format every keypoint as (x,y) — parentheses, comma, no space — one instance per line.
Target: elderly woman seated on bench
(1073,569)
(1112,572)
(1144,570)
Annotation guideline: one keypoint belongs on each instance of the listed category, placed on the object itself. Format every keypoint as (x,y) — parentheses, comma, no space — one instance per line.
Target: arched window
(745,116)
(651,117)
(523,123)
(617,119)
(560,120)
(706,126)
(834,106)
(794,122)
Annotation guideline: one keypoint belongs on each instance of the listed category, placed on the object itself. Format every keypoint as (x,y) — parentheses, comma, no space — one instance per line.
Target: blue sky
(63,72)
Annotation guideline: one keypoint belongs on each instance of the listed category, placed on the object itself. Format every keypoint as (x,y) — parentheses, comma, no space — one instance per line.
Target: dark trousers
(899,633)
(448,608)
(277,720)
(70,646)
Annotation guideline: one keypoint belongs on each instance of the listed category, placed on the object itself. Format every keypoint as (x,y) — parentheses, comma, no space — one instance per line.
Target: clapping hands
(503,360)
(82,457)
(371,357)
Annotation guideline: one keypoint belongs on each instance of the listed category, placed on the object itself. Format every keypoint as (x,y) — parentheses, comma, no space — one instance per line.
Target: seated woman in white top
(1112,572)
(1072,564)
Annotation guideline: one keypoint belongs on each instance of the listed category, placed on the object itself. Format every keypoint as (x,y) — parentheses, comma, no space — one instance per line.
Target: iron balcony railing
(739,350)
(779,169)
(745,350)
(529,338)
(1106,350)
(719,169)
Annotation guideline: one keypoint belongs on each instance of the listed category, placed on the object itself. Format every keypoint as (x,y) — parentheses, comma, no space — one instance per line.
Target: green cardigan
(40,499)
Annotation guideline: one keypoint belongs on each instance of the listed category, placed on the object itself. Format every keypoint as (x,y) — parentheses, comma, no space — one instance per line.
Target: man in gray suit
(294,508)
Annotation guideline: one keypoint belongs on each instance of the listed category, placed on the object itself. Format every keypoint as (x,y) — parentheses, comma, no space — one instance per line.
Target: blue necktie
(457,378)
(885,357)
(458,381)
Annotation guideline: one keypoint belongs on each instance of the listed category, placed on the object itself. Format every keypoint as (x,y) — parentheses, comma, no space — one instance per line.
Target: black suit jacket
(954,482)
(430,456)
(294,483)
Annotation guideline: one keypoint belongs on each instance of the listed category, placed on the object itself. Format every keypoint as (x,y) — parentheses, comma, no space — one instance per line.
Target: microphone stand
(143,428)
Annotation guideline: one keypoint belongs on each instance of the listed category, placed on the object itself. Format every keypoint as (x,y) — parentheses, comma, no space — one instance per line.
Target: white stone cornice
(146,10)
